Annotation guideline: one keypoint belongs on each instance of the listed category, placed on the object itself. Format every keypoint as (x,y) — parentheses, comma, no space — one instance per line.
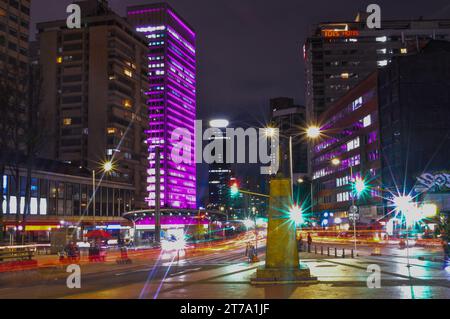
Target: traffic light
(234,189)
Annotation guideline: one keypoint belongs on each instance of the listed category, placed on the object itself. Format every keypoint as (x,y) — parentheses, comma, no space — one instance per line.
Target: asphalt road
(223,272)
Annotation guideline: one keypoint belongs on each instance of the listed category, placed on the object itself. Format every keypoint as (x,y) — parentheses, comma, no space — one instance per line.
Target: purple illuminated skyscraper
(172,99)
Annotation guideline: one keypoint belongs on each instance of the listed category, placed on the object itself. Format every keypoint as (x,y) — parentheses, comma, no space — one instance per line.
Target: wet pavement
(226,274)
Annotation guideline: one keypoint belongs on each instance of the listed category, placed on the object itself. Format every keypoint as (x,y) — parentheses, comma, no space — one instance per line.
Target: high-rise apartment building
(14,33)
(94,81)
(338,55)
(14,67)
(172,100)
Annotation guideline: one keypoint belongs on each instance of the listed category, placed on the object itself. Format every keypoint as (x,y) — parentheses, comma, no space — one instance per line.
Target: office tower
(219,172)
(94,83)
(349,149)
(172,100)
(291,120)
(338,55)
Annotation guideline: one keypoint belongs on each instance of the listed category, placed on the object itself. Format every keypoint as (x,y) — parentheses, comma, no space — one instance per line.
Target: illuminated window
(367,121)
(381,39)
(111,130)
(127,104)
(128,73)
(343,197)
(356,104)
(59,60)
(403,50)
(67,121)
(345,75)
(353,144)
(382,63)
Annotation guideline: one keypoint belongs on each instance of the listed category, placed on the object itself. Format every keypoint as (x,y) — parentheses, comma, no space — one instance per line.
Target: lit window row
(353,144)
(156,43)
(156,65)
(343,197)
(156,35)
(342,181)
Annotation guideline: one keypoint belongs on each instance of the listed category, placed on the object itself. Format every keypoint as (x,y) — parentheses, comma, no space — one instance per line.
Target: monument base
(276,276)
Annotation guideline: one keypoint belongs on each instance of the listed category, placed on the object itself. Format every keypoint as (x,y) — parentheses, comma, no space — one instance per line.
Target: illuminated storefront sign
(434,182)
(340,33)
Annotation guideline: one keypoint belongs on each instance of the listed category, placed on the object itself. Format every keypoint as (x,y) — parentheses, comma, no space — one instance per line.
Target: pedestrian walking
(309,242)
(251,252)
(300,243)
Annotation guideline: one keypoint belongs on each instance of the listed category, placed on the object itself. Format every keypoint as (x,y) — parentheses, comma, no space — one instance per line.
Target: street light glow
(219,123)
(405,205)
(107,166)
(429,210)
(248,223)
(296,215)
(336,161)
(270,131)
(313,132)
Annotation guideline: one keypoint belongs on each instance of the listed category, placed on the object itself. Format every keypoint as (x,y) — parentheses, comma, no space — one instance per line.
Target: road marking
(133,271)
(185,271)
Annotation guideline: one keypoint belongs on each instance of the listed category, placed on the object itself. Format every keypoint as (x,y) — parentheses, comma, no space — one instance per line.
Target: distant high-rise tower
(219,172)
(171,99)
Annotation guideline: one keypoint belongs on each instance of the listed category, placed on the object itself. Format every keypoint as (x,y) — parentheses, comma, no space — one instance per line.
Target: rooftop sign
(340,33)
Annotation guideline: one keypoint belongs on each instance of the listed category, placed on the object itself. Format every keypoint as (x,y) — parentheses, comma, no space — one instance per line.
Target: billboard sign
(433,182)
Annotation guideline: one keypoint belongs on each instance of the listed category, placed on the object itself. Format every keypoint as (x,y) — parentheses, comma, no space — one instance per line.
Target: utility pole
(93,194)
(157,194)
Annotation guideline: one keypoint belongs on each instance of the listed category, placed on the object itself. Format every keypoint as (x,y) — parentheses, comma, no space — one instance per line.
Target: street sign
(353,216)
(353,209)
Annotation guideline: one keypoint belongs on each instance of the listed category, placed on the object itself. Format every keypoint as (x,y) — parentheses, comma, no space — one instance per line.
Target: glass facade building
(171,101)
(62,192)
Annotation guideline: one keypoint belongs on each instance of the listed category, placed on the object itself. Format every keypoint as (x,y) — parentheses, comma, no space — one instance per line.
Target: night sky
(251,50)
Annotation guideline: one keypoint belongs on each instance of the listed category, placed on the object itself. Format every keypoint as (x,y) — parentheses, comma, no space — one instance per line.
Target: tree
(13,111)
(34,134)
(21,135)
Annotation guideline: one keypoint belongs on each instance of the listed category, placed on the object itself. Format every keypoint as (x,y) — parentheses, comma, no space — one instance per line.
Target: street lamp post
(107,167)
(93,195)
(312,133)
(291,168)
(336,162)
(354,214)
(405,205)
(256,229)
(157,194)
